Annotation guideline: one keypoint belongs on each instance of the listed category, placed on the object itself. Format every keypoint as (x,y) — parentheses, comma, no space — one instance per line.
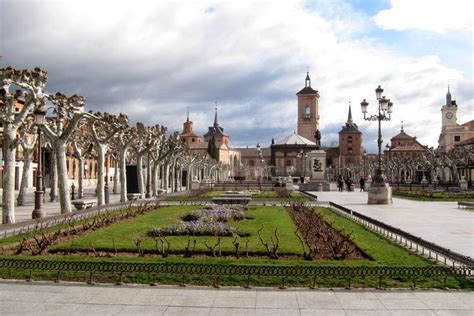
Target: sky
(154,59)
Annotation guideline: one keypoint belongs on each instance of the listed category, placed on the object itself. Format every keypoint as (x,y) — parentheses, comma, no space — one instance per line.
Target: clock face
(449,115)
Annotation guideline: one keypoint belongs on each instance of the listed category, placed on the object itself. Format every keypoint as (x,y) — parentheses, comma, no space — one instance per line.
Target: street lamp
(258,161)
(39,212)
(379,191)
(302,155)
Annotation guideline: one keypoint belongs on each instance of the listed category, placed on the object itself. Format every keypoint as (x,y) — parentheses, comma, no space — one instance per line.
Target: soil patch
(319,239)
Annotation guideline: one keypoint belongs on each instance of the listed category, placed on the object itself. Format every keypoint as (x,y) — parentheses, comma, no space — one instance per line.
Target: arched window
(349,139)
(307,112)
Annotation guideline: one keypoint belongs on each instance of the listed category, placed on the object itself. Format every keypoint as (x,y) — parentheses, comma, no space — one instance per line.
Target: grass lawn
(381,250)
(122,235)
(262,196)
(434,196)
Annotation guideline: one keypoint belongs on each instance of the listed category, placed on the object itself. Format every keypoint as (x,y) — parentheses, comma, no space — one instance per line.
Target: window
(192,140)
(288,162)
(349,139)
(307,112)
(457,138)
(251,163)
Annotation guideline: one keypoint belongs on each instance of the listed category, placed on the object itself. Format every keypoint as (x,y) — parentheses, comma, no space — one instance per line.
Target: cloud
(437,16)
(152,60)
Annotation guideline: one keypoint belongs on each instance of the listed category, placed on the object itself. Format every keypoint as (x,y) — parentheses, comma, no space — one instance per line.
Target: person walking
(362,184)
(340,183)
(349,184)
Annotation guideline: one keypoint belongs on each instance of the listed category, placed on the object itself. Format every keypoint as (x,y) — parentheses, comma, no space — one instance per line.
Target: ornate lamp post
(379,191)
(258,162)
(39,212)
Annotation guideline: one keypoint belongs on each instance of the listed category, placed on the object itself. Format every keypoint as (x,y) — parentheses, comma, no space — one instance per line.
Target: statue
(317,136)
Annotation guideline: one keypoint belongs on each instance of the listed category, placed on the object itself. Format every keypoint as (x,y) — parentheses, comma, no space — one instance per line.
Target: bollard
(73,187)
(106,194)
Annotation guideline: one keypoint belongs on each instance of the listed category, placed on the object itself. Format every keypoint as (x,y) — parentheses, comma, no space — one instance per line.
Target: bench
(83,204)
(133,196)
(466,204)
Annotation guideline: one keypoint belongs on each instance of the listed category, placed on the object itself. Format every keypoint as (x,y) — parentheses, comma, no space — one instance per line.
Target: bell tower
(449,112)
(308,115)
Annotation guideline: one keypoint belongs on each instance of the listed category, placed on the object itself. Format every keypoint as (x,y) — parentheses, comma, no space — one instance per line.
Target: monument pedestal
(317,182)
(380,194)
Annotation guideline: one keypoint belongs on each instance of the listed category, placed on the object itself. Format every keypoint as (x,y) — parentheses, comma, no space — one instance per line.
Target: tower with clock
(449,111)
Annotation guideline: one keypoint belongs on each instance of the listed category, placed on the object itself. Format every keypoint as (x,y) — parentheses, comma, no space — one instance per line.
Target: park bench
(465,204)
(133,196)
(83,204)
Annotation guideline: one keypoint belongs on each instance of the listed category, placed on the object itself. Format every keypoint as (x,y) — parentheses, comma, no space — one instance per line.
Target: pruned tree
(27,140)
(103,129)
(82,148)
(31,84)
(68,113)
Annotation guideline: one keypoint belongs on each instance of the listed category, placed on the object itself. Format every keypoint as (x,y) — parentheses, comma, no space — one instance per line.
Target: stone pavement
(439,222)
(74,299)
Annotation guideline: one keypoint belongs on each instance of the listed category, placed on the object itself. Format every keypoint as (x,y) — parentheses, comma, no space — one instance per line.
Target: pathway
(72,299)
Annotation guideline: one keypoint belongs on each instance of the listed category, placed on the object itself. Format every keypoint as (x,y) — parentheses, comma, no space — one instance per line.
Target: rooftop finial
(307,82)
(401,129)
(349,115)
(187,116)
(448,97)
(215,115)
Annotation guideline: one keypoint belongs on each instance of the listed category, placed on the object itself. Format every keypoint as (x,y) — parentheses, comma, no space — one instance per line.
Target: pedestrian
(340,183)
(362,184)
(349,184)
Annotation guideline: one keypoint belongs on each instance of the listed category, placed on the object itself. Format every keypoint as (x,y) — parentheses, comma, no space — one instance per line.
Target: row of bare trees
(68,127)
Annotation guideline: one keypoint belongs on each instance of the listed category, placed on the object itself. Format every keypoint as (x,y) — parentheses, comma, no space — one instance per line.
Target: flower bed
(206,222)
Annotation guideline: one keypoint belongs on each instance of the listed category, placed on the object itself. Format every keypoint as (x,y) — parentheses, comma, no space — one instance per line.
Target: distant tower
(217,131)
(350,139)
(308,115)
(188,136)
(449,112)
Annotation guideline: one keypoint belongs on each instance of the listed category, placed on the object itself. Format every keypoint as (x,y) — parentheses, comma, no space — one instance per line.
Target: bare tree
(69,112)
(32,82)
(103,129)
(82,148)
(27,139)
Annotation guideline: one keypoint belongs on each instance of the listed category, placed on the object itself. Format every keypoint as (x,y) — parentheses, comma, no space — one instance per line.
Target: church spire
(349,115)
(215,116)
(187,116)
(448,97)
(307,82)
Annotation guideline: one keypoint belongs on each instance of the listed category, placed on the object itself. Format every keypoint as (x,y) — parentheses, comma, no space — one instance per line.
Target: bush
(283,193)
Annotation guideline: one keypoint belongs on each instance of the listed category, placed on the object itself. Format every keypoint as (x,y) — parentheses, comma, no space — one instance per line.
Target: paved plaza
(73,299)
(440,222)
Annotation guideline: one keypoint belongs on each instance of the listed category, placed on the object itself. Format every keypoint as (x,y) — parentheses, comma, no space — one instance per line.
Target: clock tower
(448,112)
(308,114)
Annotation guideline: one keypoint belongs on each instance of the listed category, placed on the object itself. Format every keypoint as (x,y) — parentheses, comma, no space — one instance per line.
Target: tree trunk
(165,177)
(141,184)
(24,176)
(154,179)
(123,174)
(64,198)
(8,207)
(53,177)
(101,150)
(115,189)
(80,181)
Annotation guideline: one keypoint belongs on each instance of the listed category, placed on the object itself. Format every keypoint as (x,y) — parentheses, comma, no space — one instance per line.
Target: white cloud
(153,59)
(428,15)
